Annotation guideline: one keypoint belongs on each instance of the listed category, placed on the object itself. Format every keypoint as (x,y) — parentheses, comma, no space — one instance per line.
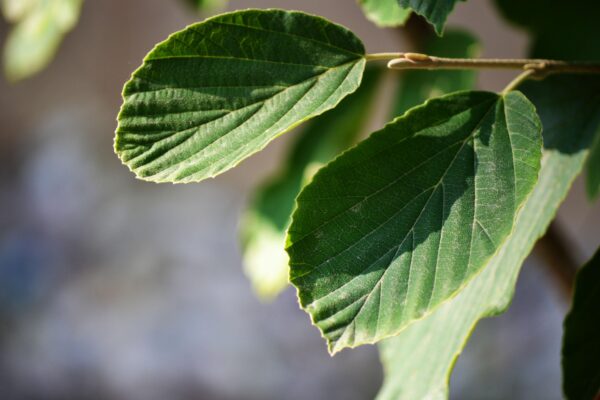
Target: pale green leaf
(435,11)
(418,362)
(417,86)
(208,5)
(385,13)
(218,91)
(399,224)
(266,220)
(581,344)
(40,26)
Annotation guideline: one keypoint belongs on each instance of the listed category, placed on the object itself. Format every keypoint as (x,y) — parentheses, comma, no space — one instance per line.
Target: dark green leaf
(593,169)
(218,91)
(435,11)
(399,224)
(385,13)
(418,362)
(581,344)
(266,221)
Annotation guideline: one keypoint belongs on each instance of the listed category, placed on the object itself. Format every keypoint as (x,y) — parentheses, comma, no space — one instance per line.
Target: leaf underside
(218,91)
(435,11)
(418,362)
(400,223)
(581,344)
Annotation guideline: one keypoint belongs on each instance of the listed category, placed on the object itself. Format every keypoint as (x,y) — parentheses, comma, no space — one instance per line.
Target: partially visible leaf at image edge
(385,13)
(418,362)
(434,11)
(220,90)
(265,222)
(581,342)
(399,224)
(39,27)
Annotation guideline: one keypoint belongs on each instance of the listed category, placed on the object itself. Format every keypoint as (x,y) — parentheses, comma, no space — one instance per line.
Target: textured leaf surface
(581,345)
(385,13)
(265,223)
(417,86)
(219,91)
(418,362)
(40,26)
(435,11)
(400,223)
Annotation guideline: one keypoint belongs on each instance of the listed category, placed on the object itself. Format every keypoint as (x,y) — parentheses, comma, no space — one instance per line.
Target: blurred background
(113,288)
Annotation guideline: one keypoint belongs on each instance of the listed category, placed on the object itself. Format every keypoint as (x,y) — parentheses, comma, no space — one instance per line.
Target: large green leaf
(385,13)
(581,344)
(207,5)
(418,362)
(417,86)
(218,91)
(266,220)
(435,11)
(40,26)
(399,224)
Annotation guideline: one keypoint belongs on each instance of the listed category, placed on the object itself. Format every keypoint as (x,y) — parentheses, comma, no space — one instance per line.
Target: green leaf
(218,91)
(417,363)
(40,26)
(593,169)
(207,5)
(435,11)
(399,224)
(417,86)
(581,344)
(385,13)
(265,223)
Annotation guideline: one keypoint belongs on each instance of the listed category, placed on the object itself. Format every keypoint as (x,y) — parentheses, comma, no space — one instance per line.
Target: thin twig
(543,67)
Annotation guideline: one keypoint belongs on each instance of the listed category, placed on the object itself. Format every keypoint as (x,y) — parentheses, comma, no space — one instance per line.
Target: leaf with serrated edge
(417,363)
(265,223)
(581,344)
(434,11)
(400,223)
(220,90)
(385,13)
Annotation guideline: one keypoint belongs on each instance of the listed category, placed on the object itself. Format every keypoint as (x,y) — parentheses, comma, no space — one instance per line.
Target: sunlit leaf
(399,224)
(385,13)
(40,26)
(581,344)
(218,91)
(265,223)
(418,362)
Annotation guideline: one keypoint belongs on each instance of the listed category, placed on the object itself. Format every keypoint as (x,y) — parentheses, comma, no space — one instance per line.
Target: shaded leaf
(40,26)
(265,223)
(581,344)
(400,223)
(435,11)
(593,169)
(218,91)
(385,13)
(418,362)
